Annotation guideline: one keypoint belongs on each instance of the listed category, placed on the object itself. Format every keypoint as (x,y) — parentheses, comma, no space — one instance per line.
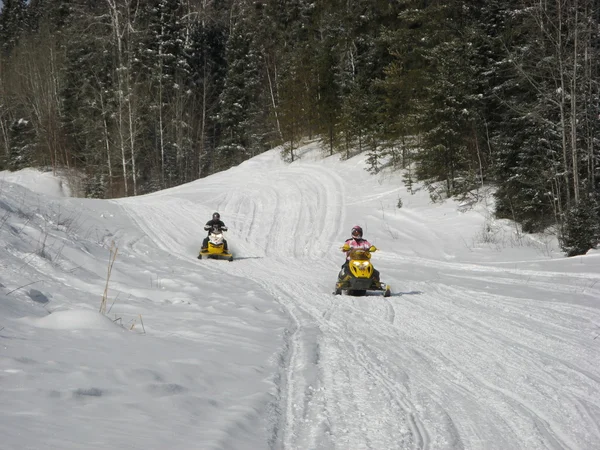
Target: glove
(372,248)
(345,247)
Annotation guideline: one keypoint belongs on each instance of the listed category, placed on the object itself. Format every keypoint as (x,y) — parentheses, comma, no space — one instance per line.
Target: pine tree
(540,164)
(162,59)
(22,149)
(207,68)
(434,91)
(13,24)
(363,61)
(296,82)
(89,100)
(239,107)
(581,231)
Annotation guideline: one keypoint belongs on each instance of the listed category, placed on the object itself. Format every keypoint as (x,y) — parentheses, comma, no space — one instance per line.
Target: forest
(133,96)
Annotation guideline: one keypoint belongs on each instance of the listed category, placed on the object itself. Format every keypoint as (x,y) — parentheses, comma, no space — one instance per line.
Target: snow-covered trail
(462,356)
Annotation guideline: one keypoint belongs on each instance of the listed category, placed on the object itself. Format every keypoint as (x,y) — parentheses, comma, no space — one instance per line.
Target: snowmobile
(360,276)
(216,247)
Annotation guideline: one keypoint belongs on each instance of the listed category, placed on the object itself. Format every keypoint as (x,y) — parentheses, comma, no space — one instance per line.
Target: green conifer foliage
(581,231)
(239,102)
(22,145)
(13,24)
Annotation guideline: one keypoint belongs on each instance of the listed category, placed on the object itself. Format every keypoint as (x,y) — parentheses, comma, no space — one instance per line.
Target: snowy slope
(489,341)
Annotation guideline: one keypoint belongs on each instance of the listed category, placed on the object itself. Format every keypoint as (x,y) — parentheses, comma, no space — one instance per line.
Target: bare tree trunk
(126,95)
(4,111)
(478,154)
(160,105)
(203,122)
(56,101)
(106,141)
(4,130)
(202,150)
(161,130)
(574,109)
(593,115)
(273,102)
(132,146)
(563,100)
(37,86)
(178,115)
(114,14)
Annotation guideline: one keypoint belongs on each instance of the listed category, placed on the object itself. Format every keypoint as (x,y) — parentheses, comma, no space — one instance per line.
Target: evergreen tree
(363,61)
(328,93)
(162,59)
(146,95)
(207,74)
(540,166)
(296,85)
(238,110)
(56,16)
(88,99)
(437,74)
(22,140)
(13,24)
(581,231)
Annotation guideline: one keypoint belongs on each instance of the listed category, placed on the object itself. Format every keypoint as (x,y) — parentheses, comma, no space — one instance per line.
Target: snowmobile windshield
(216,237)
(359,254)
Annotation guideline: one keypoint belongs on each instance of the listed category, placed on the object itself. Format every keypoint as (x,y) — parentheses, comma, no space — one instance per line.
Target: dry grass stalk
(111,261)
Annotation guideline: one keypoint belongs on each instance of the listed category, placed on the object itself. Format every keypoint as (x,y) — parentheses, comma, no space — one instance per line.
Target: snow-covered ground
(490,340)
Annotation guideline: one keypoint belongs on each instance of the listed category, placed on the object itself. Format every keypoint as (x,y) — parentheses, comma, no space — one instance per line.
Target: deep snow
(489,341)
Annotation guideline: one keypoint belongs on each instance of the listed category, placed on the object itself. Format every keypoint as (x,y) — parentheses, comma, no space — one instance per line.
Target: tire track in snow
(510,396)
(314,337)
(302,346)
(348,377)
(410,372)
(286,213)
(291,210)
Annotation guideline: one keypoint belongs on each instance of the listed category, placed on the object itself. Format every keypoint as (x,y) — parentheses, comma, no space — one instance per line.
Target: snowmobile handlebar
(347,248)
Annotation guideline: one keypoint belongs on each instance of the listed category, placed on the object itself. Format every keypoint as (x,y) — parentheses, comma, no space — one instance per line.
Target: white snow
(491,339)
(37,181)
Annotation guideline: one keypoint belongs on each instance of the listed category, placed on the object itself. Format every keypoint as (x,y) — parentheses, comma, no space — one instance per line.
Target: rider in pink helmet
(356,241)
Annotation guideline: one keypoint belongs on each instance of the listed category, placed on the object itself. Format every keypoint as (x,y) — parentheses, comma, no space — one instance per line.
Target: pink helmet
(357,231)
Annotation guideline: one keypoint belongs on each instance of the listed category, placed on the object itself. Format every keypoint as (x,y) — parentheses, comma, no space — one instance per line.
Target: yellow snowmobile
(360,276)
(216,247)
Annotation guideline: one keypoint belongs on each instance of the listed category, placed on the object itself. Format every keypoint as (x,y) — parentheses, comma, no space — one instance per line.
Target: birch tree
(122,18)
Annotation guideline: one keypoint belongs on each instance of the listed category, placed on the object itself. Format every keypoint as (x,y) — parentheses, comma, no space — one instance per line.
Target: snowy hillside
(490,340)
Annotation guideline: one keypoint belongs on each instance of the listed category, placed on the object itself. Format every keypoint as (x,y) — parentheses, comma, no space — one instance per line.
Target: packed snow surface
(490,340)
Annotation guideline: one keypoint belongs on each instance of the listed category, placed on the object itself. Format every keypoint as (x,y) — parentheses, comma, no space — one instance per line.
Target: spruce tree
(435,92)
(13,24)
(22,148)
(161,57)
(239,105)
(363,61)
(207,74)
(581,231)
(88,99)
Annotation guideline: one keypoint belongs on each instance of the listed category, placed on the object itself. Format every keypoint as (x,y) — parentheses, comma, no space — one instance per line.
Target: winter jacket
(215,223)
(356,243)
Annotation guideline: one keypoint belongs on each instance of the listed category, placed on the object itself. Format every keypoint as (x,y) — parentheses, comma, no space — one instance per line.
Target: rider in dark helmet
(217,224)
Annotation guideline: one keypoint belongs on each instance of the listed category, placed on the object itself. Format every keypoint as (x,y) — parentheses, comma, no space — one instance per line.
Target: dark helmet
(216,216)
(357,231)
